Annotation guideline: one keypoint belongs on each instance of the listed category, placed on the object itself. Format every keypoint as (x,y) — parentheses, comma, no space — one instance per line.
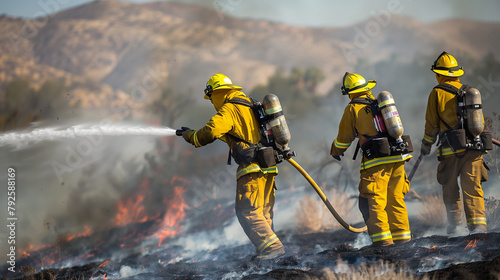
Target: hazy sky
(302,12)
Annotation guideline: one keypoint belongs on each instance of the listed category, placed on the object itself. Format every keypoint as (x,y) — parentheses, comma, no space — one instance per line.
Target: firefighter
(383,182)
(236,125)
(442,116)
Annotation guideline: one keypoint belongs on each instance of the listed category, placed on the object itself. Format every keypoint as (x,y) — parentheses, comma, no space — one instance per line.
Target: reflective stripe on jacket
(367,163)
(237,120)
(358,121)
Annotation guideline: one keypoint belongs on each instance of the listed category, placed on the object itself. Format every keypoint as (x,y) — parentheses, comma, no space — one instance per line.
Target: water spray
(22,139)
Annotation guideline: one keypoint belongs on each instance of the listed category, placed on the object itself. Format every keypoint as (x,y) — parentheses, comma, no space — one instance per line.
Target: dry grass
(29,273)
(49,275)
(313,216)
(308,216)
(433,212)
(366,271)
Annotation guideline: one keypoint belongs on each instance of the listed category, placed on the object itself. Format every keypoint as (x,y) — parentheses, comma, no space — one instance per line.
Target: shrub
(433,211)
(312,215)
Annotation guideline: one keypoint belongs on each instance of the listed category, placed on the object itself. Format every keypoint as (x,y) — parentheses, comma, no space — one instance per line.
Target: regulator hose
(323,197)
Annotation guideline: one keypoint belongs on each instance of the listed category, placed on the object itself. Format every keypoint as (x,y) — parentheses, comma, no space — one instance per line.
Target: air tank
(277,122)
(474,113)
(390,115)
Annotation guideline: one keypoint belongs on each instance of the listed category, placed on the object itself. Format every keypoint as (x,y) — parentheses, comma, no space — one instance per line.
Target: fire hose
(272,122)
(287,157)
(323,197)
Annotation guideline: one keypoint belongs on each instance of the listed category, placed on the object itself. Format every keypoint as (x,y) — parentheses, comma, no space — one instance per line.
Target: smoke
(72,177)
(202,245)
(63,189)
(322,13)
(127,271)
(362,240)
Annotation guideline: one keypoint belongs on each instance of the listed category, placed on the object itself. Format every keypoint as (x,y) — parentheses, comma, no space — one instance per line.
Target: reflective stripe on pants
(382,189)
(381,236)
(254,209)
(401,235)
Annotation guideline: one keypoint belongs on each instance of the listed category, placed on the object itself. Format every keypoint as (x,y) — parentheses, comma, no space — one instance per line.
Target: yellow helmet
(447,65)
(354,83)
(218,81)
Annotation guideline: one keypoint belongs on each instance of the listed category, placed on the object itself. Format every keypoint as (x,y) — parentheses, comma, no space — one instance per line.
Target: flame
(175,212)
(33,248)
(86,232)
(131,208)
(472,244)
(431,248)
(104,263)
(50,257)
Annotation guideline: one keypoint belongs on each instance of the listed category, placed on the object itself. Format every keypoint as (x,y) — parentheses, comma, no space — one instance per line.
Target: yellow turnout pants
(382,189)
(254,209)
(469,167)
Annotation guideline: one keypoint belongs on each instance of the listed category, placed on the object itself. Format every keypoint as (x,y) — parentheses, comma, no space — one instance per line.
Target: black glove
(186,134)
(425,149)
(179,132)
(337,158)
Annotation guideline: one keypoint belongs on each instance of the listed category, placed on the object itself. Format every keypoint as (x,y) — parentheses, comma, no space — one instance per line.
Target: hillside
(154,206)
(160,44)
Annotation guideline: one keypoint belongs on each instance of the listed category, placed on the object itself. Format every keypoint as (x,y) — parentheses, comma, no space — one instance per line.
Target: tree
(23,105)
(297,91)
(297,78)
(169,106)
(50,101)
(312,78)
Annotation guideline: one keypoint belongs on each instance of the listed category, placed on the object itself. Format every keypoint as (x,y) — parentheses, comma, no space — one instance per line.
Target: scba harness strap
(460,93)
(262,152)
(373,103)
(374,110)
(456,139)
(382,144)
(260,114)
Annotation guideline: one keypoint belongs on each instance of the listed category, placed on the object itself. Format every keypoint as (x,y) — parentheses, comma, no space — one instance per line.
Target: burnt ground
(308,255)
(201,251)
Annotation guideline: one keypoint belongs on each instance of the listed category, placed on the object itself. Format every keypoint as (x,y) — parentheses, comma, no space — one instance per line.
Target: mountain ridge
(116,43)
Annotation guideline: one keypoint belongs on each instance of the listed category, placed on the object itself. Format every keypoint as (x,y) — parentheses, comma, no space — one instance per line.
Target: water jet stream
(22,139)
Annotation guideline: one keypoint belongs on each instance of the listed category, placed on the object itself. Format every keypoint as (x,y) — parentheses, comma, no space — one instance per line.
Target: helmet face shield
(208,92)
(216,82)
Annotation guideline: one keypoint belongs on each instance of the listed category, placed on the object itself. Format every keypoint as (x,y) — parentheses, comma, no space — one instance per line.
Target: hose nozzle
(179,132)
